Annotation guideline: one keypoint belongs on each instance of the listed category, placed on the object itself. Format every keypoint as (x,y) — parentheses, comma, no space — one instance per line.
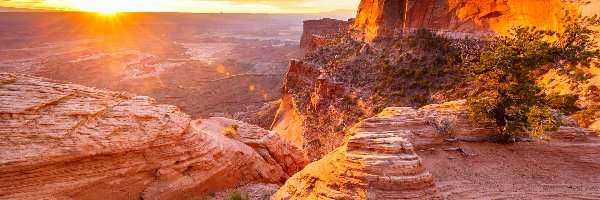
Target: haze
(191,6)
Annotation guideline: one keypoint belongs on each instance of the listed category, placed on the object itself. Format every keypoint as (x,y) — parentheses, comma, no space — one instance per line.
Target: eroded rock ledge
(376,161)
(63,141)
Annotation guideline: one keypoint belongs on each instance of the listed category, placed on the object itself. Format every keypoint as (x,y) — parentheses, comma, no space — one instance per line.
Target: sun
(103,7)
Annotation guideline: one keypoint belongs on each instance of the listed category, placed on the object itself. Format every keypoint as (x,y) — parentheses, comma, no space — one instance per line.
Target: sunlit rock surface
(64,141)
(376,161)
(313,30)
(461,18)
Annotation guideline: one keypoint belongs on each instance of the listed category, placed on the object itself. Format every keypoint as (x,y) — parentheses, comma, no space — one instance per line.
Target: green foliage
(505,75)
(237,196)
(425,64)
(588,116)
(566,103)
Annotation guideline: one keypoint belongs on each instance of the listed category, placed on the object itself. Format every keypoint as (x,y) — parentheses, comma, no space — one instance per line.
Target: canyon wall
(65,141)
(315,29)
(307,102)
(461,18)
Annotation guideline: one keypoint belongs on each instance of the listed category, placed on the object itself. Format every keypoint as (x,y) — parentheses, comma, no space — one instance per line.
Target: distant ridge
(9,9)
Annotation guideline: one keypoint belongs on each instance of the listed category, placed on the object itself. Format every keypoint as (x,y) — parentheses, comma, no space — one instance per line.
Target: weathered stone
(64,141)
(316,29)
(375,162)
(461,18)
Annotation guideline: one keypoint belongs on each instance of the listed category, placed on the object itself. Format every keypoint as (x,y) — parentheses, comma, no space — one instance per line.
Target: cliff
(308,115)
(460,18)
(315,29)
(64,141)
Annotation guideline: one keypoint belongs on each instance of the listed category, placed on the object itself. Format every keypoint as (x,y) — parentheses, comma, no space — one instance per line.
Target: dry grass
(231,131)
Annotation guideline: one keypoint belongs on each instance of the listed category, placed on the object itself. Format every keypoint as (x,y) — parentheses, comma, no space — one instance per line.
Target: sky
(195,6)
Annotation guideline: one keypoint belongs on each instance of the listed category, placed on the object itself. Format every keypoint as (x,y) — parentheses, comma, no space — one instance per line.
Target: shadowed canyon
(380,104)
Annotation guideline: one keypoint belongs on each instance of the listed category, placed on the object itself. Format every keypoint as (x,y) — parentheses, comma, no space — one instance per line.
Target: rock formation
(377,161)
(289,122)
(305,91)
(459,18)
(315,29)
(64,141)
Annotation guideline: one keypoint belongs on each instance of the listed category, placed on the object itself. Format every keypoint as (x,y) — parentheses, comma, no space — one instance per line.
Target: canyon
(367,108)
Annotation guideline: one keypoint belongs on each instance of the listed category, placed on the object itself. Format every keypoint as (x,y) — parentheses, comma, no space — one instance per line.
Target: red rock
(459,18)
(315,29)
(64,141)
(375,162)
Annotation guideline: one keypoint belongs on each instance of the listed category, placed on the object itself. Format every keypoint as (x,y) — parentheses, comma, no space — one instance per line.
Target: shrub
(231,131)
(237,196)
(588,116)
(565,103)
(506,74)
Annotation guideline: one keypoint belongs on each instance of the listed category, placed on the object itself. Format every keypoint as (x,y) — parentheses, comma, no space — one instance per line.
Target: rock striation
(64,141)
(316,29)
(376,161)
(461,18)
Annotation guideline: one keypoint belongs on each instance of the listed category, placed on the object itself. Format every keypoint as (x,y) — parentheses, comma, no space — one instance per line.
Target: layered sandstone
(64,141)
(377,161)
(460,18)
(316,29)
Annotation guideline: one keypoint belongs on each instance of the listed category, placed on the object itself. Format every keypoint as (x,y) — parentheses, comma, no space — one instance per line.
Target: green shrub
(237,196)
(567,103)
(505,75)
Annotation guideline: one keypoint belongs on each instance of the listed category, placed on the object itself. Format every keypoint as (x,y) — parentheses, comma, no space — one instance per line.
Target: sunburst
(102,7)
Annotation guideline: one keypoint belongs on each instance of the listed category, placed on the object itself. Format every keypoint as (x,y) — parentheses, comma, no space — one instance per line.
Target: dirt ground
(527,170)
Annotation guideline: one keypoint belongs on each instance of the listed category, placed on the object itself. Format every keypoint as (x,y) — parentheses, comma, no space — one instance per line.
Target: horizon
(182,6)
(175,12)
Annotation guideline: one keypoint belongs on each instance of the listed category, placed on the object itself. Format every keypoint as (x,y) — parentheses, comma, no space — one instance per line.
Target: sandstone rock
(461,18)
(289,122)
(375,162)
(377,159)
(314,29)
(64,141)
(268,144)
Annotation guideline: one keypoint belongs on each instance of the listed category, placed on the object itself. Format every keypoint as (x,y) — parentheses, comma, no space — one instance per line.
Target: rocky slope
(345,81)
(459,18)
(67,141)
